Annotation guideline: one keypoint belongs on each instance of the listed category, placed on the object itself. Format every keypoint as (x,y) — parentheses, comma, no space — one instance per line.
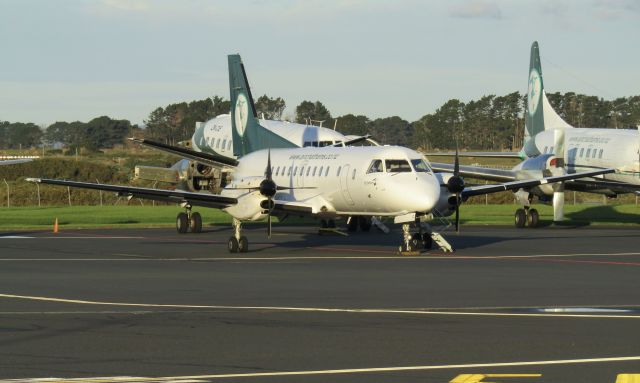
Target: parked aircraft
(203,167)
(553,147)
(324,182)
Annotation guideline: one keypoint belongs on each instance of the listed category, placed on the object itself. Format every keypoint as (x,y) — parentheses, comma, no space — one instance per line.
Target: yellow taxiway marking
(628,378)
(479,378)
(354,370)
(317,309)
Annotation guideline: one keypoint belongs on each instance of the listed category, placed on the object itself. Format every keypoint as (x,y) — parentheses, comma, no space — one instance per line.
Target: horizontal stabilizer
(201,157)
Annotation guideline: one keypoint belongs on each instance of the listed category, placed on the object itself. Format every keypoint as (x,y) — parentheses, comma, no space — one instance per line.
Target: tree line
(489,123)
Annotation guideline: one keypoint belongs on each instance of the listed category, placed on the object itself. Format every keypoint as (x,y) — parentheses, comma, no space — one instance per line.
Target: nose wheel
(238,243)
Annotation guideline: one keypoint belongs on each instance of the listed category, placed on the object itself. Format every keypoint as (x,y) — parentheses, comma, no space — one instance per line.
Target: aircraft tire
(365,223)
(196,223)
(182,223)
(233,245)
(520,218)
(533,218)
(427,241)
(243,244)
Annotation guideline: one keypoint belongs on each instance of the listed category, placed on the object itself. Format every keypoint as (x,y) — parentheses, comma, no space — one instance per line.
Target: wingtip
(38,180)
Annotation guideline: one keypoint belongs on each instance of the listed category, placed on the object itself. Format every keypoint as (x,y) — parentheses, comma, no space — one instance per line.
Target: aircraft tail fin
(539,114)
(248,134)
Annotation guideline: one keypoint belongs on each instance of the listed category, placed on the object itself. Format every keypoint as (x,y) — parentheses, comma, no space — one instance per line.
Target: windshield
(420,166)
(397,166)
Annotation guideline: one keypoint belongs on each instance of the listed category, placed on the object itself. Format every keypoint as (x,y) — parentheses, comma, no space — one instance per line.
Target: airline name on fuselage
(314,156)
(602,140)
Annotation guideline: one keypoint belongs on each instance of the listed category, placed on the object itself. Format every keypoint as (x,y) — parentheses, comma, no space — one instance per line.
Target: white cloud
(477,9)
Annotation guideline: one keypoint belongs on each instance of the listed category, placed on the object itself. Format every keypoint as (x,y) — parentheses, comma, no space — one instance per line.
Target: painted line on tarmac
(141,257)
(344,371)
(319,309)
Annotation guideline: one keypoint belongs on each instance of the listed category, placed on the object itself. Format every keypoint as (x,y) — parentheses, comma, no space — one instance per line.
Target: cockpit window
(397,166)
(420,166)
(375,167)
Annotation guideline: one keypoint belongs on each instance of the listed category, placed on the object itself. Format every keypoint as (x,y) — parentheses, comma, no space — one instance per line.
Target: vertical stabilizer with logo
(248,134)
(539,114)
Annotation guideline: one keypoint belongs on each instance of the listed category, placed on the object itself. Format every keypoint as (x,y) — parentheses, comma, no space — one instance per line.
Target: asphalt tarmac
(539,305)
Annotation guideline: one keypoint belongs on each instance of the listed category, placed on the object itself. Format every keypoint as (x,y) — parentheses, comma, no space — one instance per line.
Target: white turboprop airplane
(212,142)
(553,147)
(324,182)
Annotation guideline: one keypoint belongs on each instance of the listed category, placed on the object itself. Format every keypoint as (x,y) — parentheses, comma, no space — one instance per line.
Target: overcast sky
(70,60)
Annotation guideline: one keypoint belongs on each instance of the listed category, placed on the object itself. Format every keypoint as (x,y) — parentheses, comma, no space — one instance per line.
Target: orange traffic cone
(55,226)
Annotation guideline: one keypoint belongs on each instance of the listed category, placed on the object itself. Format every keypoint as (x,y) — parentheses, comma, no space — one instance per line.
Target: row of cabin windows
(321,144)
(215,143)
(591,153)
(278,171)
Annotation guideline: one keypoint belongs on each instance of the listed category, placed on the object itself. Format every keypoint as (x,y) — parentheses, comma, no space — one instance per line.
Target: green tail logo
(248,134)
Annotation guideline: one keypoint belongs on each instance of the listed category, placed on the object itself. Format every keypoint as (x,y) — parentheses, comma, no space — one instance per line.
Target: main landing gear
(189,220)
(526,217)
(238,243)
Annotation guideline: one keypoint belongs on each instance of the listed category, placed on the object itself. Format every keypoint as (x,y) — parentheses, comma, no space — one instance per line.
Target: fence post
(38,188)
(69,194)
(100,193)
(8,200)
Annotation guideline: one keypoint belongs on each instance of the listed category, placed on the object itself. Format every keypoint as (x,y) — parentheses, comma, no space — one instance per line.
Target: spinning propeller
(455,185)
(268,188)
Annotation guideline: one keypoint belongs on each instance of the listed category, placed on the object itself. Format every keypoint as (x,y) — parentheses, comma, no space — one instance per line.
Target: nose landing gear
(237,243)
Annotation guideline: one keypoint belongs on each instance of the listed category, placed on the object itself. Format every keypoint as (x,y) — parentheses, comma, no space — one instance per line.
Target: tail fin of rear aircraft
(248,134)
(539,114)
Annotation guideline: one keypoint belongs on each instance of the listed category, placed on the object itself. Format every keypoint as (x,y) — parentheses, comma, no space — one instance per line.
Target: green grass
(164,216)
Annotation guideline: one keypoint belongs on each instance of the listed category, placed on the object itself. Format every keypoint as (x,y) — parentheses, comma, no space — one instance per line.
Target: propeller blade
(456,164)
(269,218)
(458,213)
(267,172)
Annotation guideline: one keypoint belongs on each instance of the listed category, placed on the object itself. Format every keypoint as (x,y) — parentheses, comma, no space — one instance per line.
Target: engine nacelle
(446,204)
(544,165)
(195,176)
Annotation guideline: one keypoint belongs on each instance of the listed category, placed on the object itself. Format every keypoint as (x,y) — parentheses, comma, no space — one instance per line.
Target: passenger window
(306,144)
(600,155)
(277,170)
(320,172)
(326,173)
(588,152)
(353,176)
(289,171)
(295,171)
(397,166)
(308,170)
(545,149)
(338,173)
(594,153)
(229,145)
(581,152)
(224,144)
(314,171)
(301,171)
(217,143)
(375,167)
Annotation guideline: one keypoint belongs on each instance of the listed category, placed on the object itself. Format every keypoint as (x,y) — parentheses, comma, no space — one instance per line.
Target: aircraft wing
(477,154)
(13,162)
(291,207)
(477,172)
(354,141)
(201,157)
(514,185)
(174,196)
